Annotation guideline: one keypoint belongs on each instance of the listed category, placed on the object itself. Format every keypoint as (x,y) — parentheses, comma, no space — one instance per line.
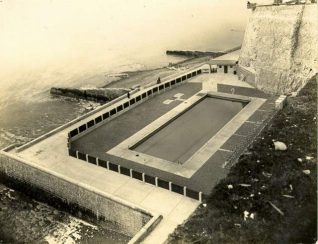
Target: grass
(271,187)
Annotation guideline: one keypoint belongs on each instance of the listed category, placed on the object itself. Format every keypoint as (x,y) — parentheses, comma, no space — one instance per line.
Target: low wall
(245,75)
(128,218)
(153,180)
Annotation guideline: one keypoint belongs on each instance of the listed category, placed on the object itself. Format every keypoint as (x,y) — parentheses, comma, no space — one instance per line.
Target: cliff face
(281,45)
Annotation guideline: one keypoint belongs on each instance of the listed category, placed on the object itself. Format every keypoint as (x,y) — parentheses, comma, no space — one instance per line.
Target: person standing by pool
(128,95)
(158,81)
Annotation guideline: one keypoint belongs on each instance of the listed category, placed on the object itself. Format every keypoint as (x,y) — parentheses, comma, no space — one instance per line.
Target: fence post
(130,172)
(86,156)
(119,171)
(156,181)
(97,161)
(185,191)
(107,164)
(143,177)
(76,154)
(170,186)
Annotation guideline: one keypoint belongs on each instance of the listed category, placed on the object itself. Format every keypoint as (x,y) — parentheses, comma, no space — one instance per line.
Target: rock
(246,214)
(280,146)
(230,186)
(307,172)
(244,185)
(299,160)
(204,205)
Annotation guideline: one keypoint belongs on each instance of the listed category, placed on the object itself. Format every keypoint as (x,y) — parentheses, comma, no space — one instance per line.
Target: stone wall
(280,44)
(128,219)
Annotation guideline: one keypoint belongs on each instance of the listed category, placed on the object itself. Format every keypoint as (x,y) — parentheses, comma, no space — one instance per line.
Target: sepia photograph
(158,121)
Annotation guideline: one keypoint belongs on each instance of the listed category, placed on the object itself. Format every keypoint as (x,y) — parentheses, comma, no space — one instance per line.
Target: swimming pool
(179,139)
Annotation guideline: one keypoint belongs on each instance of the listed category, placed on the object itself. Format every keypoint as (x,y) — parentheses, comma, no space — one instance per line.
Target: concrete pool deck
(109,135)
(199,158)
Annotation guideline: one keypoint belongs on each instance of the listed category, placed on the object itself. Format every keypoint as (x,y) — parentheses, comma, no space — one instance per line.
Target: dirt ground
(269,196)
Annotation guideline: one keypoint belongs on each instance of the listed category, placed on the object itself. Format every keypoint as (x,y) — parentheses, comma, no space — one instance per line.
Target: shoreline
(146,76)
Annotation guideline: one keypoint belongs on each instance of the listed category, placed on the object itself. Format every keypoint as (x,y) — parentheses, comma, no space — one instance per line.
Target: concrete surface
(52,154)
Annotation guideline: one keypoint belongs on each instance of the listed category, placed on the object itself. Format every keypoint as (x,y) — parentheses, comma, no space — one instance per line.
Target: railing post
(143,177)
(86,156)
(156,181)
(107,164)
(170,186)
(184,191)
(97,161)
(119,171)
(76,154)
(130,172)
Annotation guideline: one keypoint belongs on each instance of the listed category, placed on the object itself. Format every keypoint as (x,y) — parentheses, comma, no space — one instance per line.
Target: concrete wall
(246,75)
(128,219)
(280,44)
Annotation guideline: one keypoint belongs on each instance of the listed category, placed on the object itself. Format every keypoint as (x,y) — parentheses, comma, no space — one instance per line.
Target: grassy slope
(270,174)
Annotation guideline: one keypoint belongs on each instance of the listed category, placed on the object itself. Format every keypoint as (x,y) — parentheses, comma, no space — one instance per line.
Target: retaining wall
(128,218)
(246,75)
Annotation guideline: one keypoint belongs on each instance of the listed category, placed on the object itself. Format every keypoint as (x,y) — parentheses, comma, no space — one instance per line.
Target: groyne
(194,54)
(94,94)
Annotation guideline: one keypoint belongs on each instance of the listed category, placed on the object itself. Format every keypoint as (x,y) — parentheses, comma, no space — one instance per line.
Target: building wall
(280,44)
(230,70)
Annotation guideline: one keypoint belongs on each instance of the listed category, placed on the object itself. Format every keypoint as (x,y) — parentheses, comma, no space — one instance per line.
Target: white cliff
(281,45)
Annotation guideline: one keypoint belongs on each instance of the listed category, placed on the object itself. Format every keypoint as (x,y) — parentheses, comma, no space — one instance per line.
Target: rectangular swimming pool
(179,139)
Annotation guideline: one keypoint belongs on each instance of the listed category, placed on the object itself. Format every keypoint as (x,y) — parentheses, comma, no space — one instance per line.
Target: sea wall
(128,219)
(280,45)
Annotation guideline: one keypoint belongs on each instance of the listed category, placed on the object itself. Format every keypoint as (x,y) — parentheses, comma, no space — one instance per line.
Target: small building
(225,64)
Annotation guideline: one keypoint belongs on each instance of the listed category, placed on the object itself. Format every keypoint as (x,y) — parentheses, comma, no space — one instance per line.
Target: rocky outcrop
(95,94)
(280,44)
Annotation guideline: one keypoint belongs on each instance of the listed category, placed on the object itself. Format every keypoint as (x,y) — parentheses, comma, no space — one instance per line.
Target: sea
(51,43)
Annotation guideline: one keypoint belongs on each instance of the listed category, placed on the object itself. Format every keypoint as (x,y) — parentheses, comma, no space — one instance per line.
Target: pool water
(178,140)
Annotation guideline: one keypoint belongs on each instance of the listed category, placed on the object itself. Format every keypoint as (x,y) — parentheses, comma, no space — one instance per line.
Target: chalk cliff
(281,46)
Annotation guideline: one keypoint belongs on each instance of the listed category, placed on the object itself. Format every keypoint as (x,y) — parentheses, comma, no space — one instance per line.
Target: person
(128,95)
(158,81)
